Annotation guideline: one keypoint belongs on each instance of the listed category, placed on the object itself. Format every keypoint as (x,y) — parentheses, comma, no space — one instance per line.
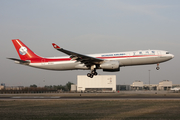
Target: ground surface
(94,110)
(122,109)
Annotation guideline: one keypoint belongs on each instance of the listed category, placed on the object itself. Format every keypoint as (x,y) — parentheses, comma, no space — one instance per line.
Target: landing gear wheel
(95,73)
(157,68)
(89,74)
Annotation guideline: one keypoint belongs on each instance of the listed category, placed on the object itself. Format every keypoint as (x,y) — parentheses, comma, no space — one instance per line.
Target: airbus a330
(109,62)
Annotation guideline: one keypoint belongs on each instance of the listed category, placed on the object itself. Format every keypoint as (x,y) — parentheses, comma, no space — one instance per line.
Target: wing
(87,60)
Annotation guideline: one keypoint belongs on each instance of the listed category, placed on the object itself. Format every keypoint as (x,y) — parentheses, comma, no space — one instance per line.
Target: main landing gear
(93,72)
(157,68)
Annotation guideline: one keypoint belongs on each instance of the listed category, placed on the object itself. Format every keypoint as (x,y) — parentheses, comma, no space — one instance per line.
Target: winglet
(55,46)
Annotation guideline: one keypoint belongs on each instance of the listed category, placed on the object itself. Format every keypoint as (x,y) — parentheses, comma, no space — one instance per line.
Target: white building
(14,87)
(73,88)
(1,87)
(99,83)
(137,85)
(165,85)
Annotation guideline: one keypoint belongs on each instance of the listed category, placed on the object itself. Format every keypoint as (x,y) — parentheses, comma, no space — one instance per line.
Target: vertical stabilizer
(23,51)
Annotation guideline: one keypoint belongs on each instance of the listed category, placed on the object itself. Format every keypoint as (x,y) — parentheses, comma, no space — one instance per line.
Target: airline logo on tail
(23,50)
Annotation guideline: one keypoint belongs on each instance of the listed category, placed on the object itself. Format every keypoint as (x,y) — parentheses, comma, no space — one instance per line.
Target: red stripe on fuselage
(43,60)
(37,60)
(127,56)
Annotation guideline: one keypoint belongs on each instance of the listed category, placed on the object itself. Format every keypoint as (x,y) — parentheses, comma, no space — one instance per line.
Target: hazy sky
(89,26)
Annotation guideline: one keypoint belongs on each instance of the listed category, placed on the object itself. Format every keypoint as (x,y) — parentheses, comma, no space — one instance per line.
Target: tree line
(66,87)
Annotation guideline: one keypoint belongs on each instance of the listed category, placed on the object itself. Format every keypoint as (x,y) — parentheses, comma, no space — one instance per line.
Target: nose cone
(172,55)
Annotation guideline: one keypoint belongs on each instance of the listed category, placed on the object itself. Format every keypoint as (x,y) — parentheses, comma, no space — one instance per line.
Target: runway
(126,95)
(91,98)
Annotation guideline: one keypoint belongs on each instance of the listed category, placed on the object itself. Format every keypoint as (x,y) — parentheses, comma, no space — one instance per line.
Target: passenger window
(140,52)
(153,52)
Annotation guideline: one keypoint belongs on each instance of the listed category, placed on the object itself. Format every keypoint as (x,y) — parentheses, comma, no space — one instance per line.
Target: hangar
(163,85)
(99,83)
(107,83)
(137,85)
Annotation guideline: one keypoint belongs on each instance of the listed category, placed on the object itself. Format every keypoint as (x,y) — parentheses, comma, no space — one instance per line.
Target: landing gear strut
(157,68)
(93,72)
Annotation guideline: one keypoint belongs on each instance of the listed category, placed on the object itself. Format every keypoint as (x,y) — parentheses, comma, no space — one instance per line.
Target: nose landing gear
(157,68)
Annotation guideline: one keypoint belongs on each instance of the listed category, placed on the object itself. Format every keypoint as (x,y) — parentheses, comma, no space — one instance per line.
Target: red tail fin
(24,52)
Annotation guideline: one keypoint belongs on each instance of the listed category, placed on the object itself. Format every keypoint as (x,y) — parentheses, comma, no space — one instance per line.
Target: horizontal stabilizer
(19,61)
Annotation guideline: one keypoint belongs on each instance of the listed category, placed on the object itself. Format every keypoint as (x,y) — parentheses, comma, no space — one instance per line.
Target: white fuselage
(141,57)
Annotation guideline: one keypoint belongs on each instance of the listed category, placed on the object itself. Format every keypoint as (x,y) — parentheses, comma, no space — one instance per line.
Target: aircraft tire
(89,74)
(157,68)
(95,73)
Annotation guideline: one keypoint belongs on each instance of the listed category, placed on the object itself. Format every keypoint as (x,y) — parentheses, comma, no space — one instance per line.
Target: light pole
(149,79)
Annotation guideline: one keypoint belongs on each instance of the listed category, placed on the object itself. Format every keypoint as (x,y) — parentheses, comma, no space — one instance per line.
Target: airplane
(175,89)
(108,62)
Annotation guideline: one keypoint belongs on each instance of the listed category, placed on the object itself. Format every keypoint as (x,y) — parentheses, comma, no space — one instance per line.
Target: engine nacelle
(110,66)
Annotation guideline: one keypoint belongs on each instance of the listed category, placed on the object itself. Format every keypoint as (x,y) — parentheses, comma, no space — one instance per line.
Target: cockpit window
(167,52)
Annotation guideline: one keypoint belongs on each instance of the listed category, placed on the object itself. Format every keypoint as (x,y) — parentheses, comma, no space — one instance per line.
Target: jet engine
(110,66)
